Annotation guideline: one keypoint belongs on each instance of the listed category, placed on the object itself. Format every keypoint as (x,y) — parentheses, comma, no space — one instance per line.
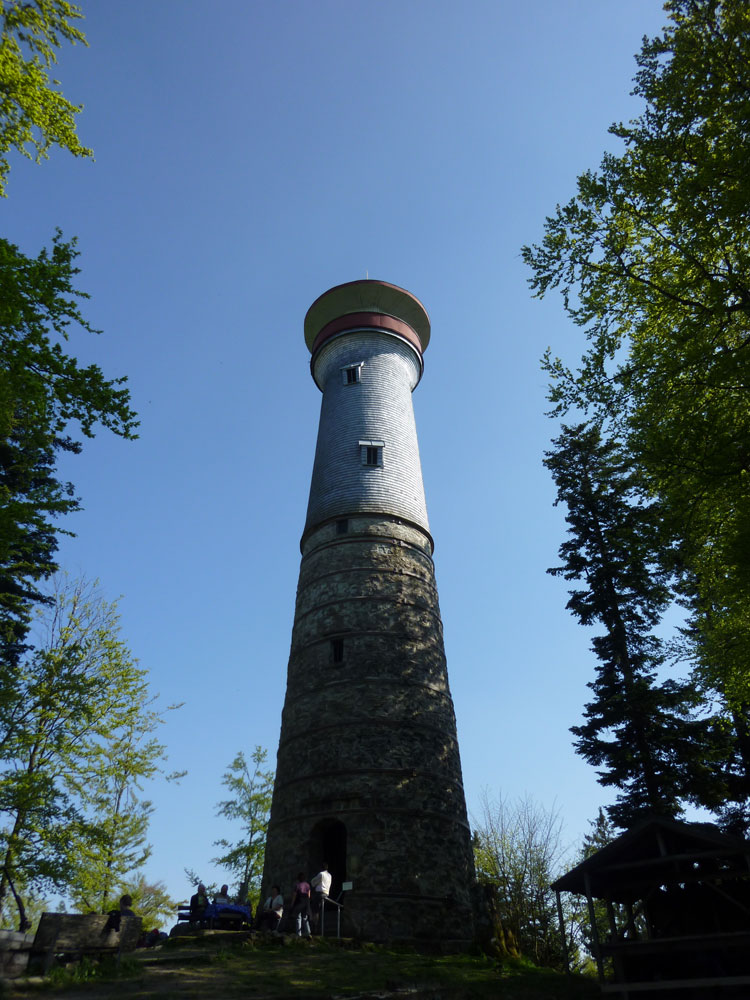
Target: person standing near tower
(321,883)
(301,906)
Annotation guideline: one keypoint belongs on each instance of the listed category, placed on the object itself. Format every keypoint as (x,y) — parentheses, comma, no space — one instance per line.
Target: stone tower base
(368,774)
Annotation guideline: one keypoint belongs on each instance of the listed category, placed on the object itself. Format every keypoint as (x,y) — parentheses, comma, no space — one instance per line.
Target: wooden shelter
(677,900)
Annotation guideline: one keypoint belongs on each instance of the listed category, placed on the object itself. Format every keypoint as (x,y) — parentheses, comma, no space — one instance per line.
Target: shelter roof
(657,852)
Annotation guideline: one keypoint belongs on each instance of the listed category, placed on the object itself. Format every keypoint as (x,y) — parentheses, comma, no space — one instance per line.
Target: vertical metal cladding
(368,771)
(377,407)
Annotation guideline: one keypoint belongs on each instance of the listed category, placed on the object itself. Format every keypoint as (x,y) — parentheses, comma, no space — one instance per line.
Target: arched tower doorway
(327,845)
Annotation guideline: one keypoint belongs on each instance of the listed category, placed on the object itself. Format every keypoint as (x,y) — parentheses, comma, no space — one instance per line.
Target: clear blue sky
(249,155)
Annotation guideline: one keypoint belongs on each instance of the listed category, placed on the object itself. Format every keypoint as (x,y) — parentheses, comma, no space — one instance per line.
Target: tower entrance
(328,846)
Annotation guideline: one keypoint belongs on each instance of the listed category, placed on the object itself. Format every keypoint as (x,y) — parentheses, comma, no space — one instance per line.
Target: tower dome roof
(367,296)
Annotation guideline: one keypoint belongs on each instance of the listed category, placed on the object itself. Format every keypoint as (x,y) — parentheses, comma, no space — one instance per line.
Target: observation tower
(368,774)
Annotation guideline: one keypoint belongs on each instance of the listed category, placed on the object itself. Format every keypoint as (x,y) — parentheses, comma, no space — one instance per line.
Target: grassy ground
(222,967)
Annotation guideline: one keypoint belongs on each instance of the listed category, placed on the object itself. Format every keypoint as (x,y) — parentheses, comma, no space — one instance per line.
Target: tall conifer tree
(639,730)
(652,258)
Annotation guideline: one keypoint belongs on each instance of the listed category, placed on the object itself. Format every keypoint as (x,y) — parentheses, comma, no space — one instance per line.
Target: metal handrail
(339,907)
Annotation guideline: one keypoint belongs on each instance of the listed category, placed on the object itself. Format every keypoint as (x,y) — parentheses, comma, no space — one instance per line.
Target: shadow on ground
(226,967)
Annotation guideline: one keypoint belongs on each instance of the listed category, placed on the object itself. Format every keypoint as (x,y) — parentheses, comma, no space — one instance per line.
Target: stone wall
(368,744)
(15,948)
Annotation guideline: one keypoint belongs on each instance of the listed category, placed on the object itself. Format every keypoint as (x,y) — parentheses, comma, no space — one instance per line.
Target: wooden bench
(78,934)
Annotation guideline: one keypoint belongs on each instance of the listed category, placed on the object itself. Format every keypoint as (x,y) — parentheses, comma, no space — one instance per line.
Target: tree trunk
(23,923)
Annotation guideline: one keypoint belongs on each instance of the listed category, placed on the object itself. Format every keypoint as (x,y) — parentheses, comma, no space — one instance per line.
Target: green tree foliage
(518,851)
(43,392)
(76,739)
(67,704)
(112,844)
(34,115)
(109,847)
(638,730)
(652,259)
(195,880)
(151,901)
(250,788)
(601,834)
(31,497)
(32,907)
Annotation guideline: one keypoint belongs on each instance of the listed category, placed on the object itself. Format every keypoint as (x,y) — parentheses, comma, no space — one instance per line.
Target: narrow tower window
(342,526)
(351,374)
(337,650)
(371,452)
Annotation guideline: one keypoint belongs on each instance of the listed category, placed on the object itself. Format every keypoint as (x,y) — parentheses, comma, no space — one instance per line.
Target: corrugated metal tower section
(368,773)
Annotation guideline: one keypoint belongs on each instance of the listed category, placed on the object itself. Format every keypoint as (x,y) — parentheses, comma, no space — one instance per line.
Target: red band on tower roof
(354,321)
